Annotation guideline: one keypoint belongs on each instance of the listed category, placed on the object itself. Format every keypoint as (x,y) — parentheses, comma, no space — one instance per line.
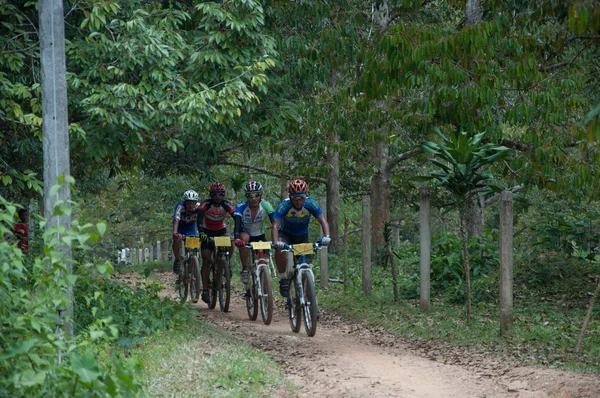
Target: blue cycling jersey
(187,221)
(293,221)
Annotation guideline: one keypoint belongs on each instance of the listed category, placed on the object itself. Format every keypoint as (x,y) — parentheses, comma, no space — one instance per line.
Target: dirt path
(345,359)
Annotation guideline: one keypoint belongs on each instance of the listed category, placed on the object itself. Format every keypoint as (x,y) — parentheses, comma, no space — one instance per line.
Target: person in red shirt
(22,230)
(210,223)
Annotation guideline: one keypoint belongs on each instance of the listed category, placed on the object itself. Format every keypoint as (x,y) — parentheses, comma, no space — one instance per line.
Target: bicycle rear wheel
(195,283)
(310,304)
(212,286)
(252,297)
(183,282)
(294,308)
(224,284)
(266,295)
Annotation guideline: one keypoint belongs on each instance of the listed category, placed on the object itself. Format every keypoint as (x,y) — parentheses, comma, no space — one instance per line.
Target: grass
(201,360)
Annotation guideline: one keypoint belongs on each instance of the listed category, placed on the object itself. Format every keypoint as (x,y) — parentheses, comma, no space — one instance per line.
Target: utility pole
(56,129)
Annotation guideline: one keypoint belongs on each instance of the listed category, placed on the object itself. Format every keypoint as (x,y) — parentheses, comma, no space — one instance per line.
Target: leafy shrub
(137,312)
(35,358)
(447,270)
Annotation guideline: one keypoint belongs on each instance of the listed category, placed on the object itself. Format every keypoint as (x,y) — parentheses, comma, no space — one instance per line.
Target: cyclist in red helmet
(290,225)
(211,223)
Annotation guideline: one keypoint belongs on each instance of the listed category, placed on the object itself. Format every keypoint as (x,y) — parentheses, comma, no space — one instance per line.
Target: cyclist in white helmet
(184,223)
(250,217)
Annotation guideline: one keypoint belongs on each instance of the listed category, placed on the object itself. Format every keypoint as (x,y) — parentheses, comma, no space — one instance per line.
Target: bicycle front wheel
(183,282)
(196,282)
(294,308)
(252,297)
(310,304)
(224,285)
(266,295)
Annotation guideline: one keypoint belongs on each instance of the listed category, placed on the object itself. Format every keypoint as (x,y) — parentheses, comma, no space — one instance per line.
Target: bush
(447,270)
(36,359)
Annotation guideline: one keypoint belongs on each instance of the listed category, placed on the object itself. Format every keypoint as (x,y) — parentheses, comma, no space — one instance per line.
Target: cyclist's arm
(175,225)
(237,230)
(271,217)
(199,220)
(324,224)
(275,231)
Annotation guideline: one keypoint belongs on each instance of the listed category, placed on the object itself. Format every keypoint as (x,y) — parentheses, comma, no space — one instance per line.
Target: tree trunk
(475,216)
(588,316)
(463,236)
(283,185)
(380,198)
(333,189)
(473,11)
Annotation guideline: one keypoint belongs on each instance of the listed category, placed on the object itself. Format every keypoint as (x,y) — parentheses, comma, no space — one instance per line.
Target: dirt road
(345,359)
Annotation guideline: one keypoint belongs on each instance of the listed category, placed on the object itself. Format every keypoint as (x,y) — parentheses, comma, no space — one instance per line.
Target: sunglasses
(217,194)
(298,197)
(253,195)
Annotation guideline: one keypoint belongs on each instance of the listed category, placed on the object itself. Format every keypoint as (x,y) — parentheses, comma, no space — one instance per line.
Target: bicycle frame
(301,265)
(260,261)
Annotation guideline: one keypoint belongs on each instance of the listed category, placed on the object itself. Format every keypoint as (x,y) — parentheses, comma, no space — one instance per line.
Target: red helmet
(297,186)
(216,187)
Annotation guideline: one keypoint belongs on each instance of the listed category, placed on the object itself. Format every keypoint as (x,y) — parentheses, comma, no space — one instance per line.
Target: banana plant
(462,162)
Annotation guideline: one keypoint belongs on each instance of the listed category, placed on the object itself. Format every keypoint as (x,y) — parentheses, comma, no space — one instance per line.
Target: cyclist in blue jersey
(250,217)
(184,223)
(290,225)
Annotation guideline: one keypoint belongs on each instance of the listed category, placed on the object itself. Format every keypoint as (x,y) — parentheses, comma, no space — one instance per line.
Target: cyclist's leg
(176,260)
(245,236)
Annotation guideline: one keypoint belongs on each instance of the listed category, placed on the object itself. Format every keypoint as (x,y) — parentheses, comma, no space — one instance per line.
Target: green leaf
(101,228)
(86,367)
(31,378)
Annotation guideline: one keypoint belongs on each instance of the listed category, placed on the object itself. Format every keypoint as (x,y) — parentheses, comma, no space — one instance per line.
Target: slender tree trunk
(380,198)
(475,216)
(463,236)
(346,225)
(394,273)
(333,189)
(283,186)
(473,11)
(588,317)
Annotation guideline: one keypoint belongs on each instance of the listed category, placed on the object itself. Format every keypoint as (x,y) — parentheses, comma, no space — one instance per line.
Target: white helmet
(190,195)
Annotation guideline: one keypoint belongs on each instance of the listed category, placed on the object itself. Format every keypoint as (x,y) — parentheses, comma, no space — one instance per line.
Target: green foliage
(447,272)
(145,80)
(461,159)
(36,359)
(138,311)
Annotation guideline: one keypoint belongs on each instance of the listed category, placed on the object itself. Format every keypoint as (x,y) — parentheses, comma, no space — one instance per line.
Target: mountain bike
(219,276)
(189,271)
(260,287)
(302,297)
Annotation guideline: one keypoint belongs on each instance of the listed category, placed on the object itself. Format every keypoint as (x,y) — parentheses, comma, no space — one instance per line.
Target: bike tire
(252,298)
(183,285)
(224,285)
(266,296)
(212,286)
(294,308)
(310,304)
(196,282)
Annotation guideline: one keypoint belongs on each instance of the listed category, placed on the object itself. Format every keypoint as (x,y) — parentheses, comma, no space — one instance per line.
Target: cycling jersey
(214,216)
(295,222)
(256,226)
(187,221)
